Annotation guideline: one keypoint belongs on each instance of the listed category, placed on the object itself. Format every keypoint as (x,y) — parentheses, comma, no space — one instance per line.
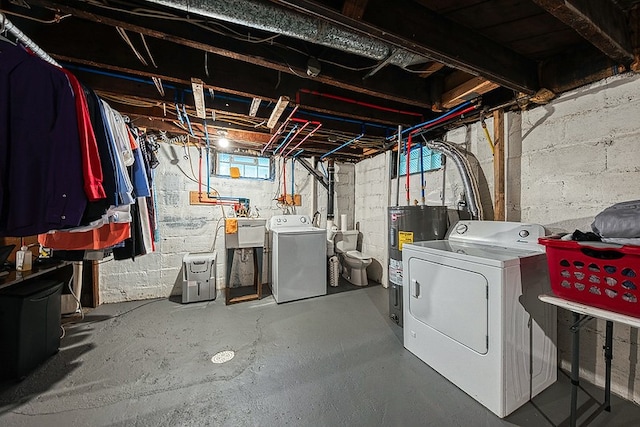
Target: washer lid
(299,230)
(497,256)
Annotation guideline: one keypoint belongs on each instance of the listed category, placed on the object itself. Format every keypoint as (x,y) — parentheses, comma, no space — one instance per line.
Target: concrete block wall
(581,154)
(565,162)
(191,228)
(371,201)
(345,197)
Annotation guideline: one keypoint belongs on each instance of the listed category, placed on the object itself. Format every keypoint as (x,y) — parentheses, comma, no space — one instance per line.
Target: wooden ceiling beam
(241,139)
(466,91)
(431,68)
(601,23)
(416,29)
(354,8)
(185,34)
(126,91)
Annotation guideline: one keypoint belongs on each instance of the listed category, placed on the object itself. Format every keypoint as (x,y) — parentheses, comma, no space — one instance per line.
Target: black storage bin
(29,326)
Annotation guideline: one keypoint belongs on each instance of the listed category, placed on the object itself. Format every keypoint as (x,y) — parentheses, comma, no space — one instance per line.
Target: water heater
(408,224)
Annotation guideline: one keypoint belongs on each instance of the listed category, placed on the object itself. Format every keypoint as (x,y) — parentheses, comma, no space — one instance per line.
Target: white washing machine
(299,257)
(472,312)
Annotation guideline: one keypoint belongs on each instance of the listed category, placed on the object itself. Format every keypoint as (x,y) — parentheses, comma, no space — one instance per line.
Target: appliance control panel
(281,221)
(498,233)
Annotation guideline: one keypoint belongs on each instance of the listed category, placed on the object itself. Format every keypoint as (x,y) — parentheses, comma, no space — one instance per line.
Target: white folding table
(582,314)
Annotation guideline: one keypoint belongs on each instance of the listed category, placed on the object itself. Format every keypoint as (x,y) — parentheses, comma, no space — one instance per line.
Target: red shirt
(91,167)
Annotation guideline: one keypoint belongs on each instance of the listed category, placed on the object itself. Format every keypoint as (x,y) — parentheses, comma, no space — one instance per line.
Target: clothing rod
(26,41)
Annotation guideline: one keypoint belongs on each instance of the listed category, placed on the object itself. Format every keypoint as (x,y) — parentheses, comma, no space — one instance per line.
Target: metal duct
(464,168)
(267,17)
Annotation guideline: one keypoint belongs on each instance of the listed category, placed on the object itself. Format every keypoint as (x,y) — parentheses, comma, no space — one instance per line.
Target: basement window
(432,160)
(252,167)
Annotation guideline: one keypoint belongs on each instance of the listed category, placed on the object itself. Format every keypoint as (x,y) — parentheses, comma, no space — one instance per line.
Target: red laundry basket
(595,274)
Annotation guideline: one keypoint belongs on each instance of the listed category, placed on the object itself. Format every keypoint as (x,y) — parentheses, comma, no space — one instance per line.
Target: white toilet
(354,263)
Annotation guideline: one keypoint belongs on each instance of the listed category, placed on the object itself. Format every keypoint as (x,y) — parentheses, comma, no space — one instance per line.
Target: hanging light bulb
(223,142)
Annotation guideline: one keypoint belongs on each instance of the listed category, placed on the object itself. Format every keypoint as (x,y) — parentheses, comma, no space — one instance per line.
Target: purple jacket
(41,183)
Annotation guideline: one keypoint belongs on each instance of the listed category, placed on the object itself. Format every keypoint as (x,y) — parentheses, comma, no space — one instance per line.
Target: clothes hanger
(3,30)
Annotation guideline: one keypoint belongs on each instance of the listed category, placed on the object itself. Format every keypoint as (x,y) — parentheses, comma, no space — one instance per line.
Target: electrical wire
(76,298)
(146,47)
(126,39)
(218,227)
(206,25)
(57,18)
(326,61)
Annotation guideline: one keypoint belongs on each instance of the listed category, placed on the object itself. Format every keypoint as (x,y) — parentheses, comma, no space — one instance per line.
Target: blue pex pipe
(458,108)
(293,167)
(227,97)
(206,136)
(342,146)
(285,139)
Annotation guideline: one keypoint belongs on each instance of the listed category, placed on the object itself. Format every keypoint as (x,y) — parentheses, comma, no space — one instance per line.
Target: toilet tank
(346,240)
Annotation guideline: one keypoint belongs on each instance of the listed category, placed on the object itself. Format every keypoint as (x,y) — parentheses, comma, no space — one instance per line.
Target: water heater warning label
(404,237)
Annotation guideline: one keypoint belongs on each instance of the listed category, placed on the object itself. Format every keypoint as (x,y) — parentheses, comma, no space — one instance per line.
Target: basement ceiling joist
(601,23)
(417,29)
(390,88)
(499,52)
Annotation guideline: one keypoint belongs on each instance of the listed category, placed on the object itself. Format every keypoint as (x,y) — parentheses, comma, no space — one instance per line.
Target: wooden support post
(96,283)
(498,166)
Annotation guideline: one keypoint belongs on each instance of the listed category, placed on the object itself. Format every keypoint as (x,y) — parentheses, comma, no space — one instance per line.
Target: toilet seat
(358,255)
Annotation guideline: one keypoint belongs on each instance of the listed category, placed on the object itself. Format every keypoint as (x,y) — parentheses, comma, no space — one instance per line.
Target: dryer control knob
(303,219)
(461,229)
(523,233)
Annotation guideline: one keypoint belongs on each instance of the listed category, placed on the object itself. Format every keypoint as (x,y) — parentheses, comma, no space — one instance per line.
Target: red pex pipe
(294,136)
(304,139)
(360,103)
(408,156)
(304,121)
(444,119)
(279,131)
(409,139)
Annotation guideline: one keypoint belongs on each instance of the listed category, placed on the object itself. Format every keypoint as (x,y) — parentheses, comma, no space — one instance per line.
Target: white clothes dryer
(299,258)
(472,312)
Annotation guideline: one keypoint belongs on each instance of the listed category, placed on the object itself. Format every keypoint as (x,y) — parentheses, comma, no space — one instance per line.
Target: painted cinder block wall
(566,162)
(579,155)
(191,228)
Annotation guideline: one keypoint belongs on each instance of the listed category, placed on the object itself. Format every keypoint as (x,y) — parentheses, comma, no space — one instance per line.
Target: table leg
(608,355)
(575,367)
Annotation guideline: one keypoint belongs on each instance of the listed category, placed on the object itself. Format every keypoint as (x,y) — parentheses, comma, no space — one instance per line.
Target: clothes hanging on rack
(100,238)
(40,159)
(91,165)
(72,169)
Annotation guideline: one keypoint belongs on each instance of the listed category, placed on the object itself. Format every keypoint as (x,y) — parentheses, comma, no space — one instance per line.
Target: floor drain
(223,356)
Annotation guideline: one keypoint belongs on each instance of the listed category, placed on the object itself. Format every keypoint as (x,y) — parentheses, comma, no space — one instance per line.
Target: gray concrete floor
(330,361)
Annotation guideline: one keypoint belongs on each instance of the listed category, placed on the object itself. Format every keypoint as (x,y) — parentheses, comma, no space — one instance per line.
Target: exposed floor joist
(420,31)
(183,34)
(601,23)
(466,91)
(354,8)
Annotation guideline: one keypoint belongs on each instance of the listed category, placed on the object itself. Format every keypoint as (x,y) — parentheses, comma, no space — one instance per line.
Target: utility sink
(244,232)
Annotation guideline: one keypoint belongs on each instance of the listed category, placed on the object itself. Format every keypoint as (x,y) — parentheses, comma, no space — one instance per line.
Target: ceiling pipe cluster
(266,17)
(356,102)
(299,125)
